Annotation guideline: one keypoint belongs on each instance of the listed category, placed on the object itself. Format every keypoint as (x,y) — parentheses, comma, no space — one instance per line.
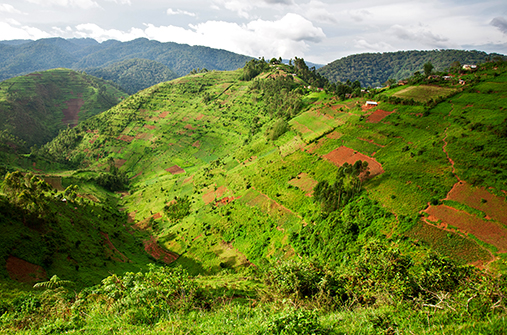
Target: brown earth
(189,126)
(213,194)
(126,138)
(119,162)
(131,217)
(23,271)
(150,127)
(378,115)
(70,114)
(137,175)
(163,114)
(334,135)
(151,246)
(196,144)
(487,231)
(175,169)
(494,206)
(304,182)
(56,182)
(112,252)
(346,155)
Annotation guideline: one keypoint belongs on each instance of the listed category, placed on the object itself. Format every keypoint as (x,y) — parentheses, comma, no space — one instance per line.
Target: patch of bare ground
(54,181)
(488,231)
(479,198)
(175,169)
(377,116)
(112,252)
(334,135)
(346,155)
(23,271)
(155,250)
(304,182)
(137,175)
(150,127)
(126,138)
(70,114)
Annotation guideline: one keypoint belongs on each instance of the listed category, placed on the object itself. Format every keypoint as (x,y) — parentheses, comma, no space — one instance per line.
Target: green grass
(424,93)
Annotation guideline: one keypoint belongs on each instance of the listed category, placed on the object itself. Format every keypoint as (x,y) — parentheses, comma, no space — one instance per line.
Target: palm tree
(52,283)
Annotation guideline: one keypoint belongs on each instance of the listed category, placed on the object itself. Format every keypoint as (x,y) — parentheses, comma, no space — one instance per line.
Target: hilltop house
(469,67)
(371,103)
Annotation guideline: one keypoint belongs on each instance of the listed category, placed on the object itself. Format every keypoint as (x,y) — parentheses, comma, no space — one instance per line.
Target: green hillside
(273,208)
(35,107)
(113,60)
(134,75)
(374,69)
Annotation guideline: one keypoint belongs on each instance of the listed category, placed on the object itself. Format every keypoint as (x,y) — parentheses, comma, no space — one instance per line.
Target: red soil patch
(189,126)
(305,183)
(119,162)
(188,180)
(111,250)
(334,135)
(313,147)
(212,195)
(302,128)
(377,116)
(163,114)
(487,231)
(126,138)
(23,271)
(196,144)
(346,155)
(70,114)
(175,169)
(200,116)
(131,217)
(150,127)
(56,182)
(495,207)
(151,246)
(144,136)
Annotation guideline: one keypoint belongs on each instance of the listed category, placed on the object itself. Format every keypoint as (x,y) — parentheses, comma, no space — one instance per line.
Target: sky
(320,31)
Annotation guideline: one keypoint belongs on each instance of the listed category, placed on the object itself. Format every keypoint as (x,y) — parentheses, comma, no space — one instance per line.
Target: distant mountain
(374,69)
(135,74)
(35,107)
(22,57)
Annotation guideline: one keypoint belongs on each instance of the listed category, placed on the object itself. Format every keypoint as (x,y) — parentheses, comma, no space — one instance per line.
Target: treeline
(134,75)
(374,69)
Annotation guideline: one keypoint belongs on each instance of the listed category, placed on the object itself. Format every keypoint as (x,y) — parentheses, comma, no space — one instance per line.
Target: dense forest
(22,57)
(374,69)
(133,75)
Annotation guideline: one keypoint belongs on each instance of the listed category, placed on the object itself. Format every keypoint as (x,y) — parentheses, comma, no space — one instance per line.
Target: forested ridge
(374,69)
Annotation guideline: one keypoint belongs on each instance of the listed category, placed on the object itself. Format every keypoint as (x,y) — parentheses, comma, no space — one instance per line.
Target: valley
(266,204)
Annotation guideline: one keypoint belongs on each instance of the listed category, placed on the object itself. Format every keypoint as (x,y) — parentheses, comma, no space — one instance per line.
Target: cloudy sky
(318,30)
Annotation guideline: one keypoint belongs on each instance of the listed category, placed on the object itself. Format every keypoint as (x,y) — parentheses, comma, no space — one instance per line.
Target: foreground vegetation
(267,207)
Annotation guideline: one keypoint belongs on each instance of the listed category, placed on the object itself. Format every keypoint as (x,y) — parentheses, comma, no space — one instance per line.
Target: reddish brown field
(126,138)
(137,175)
(211,195)
(314,146)
(175,169)
(144,136)
(70,114)
(494,206)
(200,116)
(305,183)
(377,116)
(150,127)
(119,162)
(131,217)
(23,271)
(346,155)
(111,250)
(334,135)
(189,126)
(56,182)
(196,144)
(151,246)
(163,114)
(487,231)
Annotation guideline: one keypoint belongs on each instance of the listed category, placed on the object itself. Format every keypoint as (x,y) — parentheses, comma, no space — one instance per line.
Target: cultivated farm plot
(313,125)
(304,182)
(343,155)
(424,93)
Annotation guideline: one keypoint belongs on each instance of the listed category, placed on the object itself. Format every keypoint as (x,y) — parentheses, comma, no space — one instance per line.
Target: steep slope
(83,54)
(220,177)
(374,69)
(134,75)
(35,107)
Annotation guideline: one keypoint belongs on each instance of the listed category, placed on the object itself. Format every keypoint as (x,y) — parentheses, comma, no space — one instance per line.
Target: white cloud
(420,34)
(6,8)
(243,7)
(171,11)
(376,46)
(121,2)
(83,4)
(286,37)
(22,32)
(500,23)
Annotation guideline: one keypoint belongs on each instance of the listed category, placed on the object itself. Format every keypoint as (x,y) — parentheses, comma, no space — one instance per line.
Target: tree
(428,68)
